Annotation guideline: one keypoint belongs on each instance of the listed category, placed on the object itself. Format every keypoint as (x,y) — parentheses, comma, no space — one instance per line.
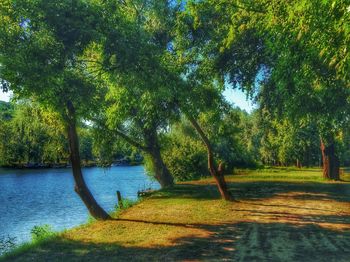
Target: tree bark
(330,161)
(298,163)
(217,173)
(160,170)
(80,186)
(150,146)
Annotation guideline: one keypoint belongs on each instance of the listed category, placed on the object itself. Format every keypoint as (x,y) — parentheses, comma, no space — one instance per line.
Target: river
(46,196)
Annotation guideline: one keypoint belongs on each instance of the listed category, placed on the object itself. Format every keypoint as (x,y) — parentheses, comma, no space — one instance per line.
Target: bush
(126,203)
(41,232)
(186,159)
(186,156)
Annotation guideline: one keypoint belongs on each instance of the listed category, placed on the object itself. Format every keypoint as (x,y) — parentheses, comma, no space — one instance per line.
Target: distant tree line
(34,137)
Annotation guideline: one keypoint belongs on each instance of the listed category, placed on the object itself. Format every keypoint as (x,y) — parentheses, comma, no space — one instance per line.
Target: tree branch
(200,132)
(130,140)
(120,133)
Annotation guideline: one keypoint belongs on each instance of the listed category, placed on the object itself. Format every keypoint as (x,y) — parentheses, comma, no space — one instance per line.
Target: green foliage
(85,144)
(40,233)
(185,157)
(31,134)
(124,205)
(135,68)
(292,54)
(108,147)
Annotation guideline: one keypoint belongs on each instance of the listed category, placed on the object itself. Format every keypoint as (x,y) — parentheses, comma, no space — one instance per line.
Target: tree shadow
(311,190)
(258,190)
(273,224)
(243,241)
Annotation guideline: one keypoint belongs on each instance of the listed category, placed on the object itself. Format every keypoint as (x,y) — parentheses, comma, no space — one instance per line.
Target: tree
(51,37)
(270,47)
(306,84)
(139,104)
(150,39)
(185,155)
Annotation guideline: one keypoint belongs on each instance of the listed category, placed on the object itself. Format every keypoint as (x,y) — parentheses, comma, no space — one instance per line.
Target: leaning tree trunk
(152,148)
(216,173)
(330,162)
(80,186)
(161,172)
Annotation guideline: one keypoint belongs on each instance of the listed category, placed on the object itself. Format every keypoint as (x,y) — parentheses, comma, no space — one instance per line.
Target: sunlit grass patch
(280,215)
(283,174)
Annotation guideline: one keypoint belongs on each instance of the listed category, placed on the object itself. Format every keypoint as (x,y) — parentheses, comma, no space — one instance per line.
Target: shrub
(186,159)
(125,204)
(41,232)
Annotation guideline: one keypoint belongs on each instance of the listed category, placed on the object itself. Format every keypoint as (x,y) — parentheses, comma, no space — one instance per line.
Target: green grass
(282,174)
(40,235)
(279,215)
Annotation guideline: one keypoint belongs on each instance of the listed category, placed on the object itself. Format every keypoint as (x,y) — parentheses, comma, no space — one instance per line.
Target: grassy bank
(279,215)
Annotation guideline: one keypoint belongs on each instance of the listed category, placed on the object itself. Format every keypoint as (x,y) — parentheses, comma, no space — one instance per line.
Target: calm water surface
(37,197)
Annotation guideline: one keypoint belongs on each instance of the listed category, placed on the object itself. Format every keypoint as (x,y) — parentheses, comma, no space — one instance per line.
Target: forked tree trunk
(330,162)
(80,186)
(217,173)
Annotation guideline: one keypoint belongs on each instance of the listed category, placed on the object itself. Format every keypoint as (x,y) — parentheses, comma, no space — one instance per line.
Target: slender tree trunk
(162,174)
(330,161)
(216,173)
(298,163)
(80,186)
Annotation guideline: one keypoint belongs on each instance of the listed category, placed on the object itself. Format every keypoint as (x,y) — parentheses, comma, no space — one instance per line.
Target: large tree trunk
(330,161)
(152,148)
(162,174)
(217,173)
(80,186)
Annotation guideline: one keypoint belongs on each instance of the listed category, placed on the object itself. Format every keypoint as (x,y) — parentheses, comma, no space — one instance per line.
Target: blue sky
(238,98)
(235,96)
(4,96)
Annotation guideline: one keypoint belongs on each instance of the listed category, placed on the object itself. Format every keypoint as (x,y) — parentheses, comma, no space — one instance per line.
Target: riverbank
(67,165)
(279,215)
(34,197)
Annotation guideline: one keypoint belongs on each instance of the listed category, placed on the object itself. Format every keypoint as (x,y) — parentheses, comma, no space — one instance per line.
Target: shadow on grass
(259,190)
(284,235)
(244,241)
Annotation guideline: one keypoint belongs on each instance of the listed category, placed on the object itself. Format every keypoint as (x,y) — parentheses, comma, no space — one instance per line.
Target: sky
(232,95)
(238,98)
(4,96)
